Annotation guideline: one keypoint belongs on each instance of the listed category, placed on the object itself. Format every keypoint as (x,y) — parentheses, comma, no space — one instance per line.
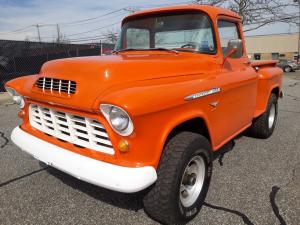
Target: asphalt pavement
(259,182)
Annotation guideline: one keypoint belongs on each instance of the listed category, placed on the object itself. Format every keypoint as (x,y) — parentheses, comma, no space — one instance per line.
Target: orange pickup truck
(178,88)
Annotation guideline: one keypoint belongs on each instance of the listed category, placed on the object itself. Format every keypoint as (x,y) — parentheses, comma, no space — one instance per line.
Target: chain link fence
(19,58)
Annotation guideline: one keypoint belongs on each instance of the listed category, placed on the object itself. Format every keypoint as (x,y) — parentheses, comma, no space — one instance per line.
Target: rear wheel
(184,175)
(264,125)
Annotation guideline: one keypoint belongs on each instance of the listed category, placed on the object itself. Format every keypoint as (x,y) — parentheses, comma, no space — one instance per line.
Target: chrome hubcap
(192,181)
(272,115)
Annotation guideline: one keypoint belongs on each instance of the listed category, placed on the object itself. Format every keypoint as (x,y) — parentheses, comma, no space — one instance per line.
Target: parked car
(288,66)
(177,89)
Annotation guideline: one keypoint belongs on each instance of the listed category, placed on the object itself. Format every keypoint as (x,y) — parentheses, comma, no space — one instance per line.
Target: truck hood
(94,75)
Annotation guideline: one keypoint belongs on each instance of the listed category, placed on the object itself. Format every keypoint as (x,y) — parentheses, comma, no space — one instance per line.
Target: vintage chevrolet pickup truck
(177,89)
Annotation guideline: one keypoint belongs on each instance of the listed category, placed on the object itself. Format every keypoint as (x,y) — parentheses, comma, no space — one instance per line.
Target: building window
(282,55)
(275,56)
(257,56)
(296,56)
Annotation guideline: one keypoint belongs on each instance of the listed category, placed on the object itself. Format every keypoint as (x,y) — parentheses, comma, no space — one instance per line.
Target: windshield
(185,31)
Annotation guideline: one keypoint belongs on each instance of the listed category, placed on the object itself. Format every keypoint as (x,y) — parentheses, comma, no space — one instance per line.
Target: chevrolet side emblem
(202,94)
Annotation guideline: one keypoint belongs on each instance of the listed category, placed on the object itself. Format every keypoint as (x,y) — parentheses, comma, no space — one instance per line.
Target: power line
(20,30)
(23,29)
(97,20)
(89,31)
(93,18)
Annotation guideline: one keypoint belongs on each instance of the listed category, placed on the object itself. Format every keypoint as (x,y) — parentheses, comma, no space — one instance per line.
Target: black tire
(260,127)
(162,202)
(288,69)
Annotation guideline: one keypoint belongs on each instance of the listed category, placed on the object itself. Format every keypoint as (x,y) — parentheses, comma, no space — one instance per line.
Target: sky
(18,18)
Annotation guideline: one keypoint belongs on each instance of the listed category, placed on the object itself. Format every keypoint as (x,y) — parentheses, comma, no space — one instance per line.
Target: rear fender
(269,78)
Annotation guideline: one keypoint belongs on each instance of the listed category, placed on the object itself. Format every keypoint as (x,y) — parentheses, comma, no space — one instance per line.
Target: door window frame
(237,22)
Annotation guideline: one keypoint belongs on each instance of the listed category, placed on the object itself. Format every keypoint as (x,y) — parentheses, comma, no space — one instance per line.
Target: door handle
(247,62)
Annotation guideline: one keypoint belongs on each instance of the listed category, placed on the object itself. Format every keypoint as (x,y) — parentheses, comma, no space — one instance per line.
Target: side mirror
(234,50)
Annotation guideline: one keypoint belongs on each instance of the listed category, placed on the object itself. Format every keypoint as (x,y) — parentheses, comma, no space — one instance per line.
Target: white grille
(51,84)
(80,131)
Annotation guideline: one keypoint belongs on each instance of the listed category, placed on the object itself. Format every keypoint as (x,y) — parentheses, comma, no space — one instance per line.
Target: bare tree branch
(260,12)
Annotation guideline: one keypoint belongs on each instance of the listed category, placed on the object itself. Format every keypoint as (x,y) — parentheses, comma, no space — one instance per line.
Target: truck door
(238,83)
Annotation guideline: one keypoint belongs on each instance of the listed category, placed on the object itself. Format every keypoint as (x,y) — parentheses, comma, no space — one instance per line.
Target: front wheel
(184,175)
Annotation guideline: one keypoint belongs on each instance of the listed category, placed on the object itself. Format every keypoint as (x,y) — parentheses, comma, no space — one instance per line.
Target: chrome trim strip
(202,94)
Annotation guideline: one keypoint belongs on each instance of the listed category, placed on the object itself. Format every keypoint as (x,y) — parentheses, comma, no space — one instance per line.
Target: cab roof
(212,11)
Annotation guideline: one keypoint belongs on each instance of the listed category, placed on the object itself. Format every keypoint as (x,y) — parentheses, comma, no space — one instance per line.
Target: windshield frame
(162,14)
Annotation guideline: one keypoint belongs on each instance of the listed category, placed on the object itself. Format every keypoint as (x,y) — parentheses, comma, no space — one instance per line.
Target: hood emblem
(202,94)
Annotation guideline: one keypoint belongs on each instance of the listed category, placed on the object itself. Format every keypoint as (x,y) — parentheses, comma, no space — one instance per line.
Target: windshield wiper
(127,49)
(145,49)
(164,49)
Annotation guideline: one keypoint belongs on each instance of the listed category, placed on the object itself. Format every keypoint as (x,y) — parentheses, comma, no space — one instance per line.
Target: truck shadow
(122,200)
(134,201)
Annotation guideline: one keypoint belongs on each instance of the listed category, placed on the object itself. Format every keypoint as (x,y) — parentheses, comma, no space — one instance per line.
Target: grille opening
(109,146)
(64,126)
(78,146)
(51,128)
(49,121)
(99,136)
(96,122)
(47,114)
(99,129)
(80,123)
(78,117)
(61,139)
(81,131)
(64,132)
(61,113)
(62,119)
(82,138)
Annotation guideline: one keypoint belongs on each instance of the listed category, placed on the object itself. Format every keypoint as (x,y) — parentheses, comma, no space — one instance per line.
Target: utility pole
(101,49)
(298,57)
(58,33)
(38,31)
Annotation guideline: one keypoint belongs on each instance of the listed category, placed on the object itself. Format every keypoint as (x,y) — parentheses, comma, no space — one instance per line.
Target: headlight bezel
(106,110)
(16,97)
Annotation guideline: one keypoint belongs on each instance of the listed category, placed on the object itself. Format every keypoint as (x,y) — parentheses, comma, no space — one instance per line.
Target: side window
(227,31)
(257,56)
(137,38)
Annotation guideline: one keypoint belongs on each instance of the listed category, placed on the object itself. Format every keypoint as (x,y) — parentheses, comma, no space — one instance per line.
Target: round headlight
(19,101)
(10,91)
(118,119)
(17,98)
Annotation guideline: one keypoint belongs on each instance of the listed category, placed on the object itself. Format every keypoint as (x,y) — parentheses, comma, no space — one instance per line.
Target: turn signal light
(123,146)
